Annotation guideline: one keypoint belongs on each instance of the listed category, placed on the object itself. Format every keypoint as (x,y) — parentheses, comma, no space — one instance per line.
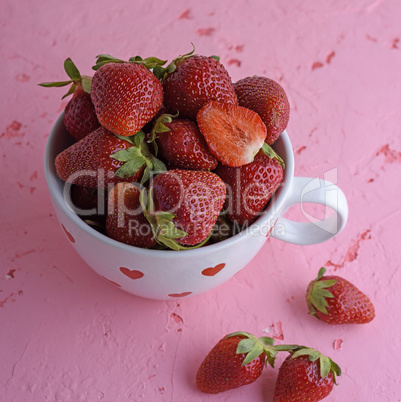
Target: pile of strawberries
(166,156)
(179,154)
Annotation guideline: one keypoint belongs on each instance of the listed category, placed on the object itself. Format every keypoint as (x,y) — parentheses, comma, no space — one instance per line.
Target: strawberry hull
(168,274)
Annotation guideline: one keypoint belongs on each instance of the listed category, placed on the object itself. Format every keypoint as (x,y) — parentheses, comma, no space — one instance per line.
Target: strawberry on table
(125,221)
(181,144)
(237,359)
(234,134)
(126,95)
(102,158)
(335,300)
(250,187)
(305,375)
(194,81)
(267,98)
(79,115)
(183,205)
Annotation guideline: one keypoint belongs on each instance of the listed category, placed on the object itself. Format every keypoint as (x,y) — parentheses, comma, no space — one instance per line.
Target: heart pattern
(133,274)
(212,271)
(69,235)
(183,294)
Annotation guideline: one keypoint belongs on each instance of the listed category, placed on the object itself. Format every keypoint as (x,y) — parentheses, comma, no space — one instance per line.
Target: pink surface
(68,335)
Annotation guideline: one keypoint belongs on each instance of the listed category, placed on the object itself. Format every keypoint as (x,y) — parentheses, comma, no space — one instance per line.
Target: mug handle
(317,191)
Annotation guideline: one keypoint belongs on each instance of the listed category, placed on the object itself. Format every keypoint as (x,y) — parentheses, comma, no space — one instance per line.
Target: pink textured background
(67,335)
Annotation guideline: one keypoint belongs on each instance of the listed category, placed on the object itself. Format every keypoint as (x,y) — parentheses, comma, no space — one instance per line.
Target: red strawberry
(195,81)
(233,133)
(336,301)
(88,201)
(79,115)
(181,144)
(125,221)
(183,206)
(101,158)
(237,359)
(126,95)
(267,98)
(250,187)
(305,375)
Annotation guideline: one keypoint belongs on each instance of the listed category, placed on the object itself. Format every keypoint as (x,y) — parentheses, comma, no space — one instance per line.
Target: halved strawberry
(125,221)
(181,144)
(268,99)
(234,134)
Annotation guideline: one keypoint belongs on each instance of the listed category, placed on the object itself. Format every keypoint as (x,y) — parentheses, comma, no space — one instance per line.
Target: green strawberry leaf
(160,125)
(318,293)
(106,57)
(149,62)
(256,351)
(72,70)
(133,161)
(162,72)
(70,91)
(55,84)
(271,153)
(326,364)
(75,79)
(158,165)
(138,138)
(321,272)
(254,347)
(87,83)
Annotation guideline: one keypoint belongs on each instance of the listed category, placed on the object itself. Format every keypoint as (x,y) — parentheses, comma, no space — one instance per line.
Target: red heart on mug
(183,294)
(69,235)
(133,274)
(213,270)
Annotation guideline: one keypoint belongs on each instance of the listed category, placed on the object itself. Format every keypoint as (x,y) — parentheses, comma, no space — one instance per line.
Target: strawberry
(194,81)
(182,145)
(90,205)
(305,375)
(126,95)
(267,98)
(223,229)
(237,359)
(102,158)
(250,187)
(183,205)
(233,133)
(79,115)
(336,301)
(125,221)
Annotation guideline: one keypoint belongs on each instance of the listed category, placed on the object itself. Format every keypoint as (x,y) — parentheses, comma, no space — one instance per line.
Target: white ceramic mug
(167,274)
